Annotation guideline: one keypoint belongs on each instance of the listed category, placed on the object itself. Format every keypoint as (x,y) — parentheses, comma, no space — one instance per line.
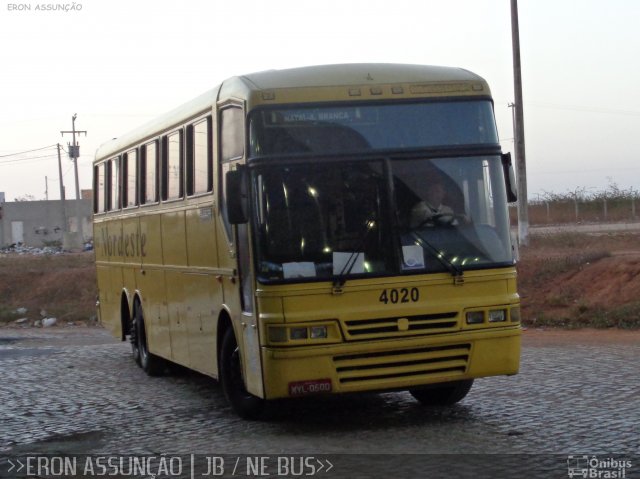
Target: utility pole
(74,150)
(521,169)
(74,153)
(62,198)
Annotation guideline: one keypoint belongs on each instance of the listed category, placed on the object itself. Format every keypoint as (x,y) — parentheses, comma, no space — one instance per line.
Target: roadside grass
(626,316)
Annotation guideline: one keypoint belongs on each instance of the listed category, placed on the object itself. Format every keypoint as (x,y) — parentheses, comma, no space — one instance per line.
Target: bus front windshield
(343,219)
(358,191)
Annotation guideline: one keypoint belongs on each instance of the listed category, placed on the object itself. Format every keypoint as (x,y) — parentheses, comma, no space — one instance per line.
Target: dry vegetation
(64,286)
(565,280)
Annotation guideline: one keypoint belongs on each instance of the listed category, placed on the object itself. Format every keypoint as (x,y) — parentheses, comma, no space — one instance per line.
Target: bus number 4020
(402,295)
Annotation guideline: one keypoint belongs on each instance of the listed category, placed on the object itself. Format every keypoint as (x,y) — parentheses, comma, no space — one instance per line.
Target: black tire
(133,339)
(150,363)
(245,404)
(443,395)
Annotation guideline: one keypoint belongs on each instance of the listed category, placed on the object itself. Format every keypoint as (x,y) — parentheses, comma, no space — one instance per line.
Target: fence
(594,210)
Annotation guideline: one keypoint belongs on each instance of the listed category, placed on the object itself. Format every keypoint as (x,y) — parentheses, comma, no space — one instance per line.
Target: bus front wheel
(443,395)
(149,362)
(245,404)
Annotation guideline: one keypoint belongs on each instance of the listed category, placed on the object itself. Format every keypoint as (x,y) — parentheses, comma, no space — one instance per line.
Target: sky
(119,63)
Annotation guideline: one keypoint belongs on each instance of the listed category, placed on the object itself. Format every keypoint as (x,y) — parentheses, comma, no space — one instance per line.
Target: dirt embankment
(576,280)
(565,280)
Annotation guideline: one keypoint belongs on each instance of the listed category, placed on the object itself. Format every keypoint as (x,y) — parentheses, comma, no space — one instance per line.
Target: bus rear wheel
(443,395)
(245,404)
(149,362)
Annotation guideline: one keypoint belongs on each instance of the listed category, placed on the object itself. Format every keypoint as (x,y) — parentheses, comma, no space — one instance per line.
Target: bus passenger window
(172,166)
(99,188)
(150,173)
(201,178)
(114,184)
(130,165)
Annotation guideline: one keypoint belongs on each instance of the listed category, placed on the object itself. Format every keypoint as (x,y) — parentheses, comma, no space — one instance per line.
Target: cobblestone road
(78,391)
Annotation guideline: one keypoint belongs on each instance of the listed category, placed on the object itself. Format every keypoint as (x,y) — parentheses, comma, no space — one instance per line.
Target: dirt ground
(566,280)
(577,280)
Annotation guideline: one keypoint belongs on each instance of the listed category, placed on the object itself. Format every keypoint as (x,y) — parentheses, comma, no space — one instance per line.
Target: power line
(20,160)
(27,151)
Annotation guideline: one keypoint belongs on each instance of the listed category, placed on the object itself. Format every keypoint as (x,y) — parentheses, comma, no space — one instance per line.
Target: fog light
(497,315)
(475,317)
(277,334)
(319,332)
(299,333)
(515,314)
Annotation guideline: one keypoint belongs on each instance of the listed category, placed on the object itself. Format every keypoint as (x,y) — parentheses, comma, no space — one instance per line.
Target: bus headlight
(319,332)
(497,315)
(475,317)
(299,334)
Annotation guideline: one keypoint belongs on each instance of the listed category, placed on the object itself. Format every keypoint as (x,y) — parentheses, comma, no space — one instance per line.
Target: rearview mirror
(509,178)
(236,195)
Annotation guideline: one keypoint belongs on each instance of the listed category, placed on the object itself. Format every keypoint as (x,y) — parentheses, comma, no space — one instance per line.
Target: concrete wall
(42,222)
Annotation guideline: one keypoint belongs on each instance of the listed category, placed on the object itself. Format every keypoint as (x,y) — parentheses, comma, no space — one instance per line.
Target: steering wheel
(438,218)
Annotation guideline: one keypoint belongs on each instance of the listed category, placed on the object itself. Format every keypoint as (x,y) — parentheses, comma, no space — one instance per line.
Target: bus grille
(425,362)
(406,326)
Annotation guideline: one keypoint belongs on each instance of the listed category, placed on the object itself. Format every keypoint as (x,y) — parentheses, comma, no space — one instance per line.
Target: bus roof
(300,80)
(356,74)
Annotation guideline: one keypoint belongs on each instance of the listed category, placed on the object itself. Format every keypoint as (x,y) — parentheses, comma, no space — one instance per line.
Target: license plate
(312,386)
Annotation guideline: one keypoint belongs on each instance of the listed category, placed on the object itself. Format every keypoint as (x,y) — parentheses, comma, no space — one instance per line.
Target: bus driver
(431,210)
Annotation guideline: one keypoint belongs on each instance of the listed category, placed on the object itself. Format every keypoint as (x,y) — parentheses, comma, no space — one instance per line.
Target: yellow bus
(326,229)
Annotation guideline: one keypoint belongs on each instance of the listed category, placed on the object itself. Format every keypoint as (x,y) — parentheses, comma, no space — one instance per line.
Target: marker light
(277,334)
(515,314)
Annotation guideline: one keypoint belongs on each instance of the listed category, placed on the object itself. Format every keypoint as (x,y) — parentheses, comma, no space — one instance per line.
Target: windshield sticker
(412,256)
(348,263)
(304,269)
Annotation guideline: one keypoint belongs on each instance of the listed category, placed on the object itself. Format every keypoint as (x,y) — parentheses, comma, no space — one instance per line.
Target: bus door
(234,255)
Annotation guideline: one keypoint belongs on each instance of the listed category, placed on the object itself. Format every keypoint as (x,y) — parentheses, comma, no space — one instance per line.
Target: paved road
(77,391)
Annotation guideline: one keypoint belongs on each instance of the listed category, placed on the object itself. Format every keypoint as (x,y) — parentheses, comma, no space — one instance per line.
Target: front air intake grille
(381,328)
(381,366)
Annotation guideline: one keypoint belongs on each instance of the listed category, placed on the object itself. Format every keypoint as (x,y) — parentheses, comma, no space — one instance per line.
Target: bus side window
(232,133)
(172,169)
(231,148)
(199,158)
(113,189)
(130,179)
(149,173)
(99,187)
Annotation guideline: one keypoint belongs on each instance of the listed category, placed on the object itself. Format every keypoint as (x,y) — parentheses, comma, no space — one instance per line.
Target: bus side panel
(201,313)
(150,284)
(201,238)
(109,310)
(174,257)
(175,294)
(205,292)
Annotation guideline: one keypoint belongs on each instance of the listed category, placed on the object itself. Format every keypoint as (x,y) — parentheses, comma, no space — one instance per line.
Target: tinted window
(150,178)
(173,166)
(114,183)
(232,133)
(131,178)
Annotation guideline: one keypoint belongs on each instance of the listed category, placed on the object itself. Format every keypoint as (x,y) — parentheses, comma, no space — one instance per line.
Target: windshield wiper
(340,280)
(456,271)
